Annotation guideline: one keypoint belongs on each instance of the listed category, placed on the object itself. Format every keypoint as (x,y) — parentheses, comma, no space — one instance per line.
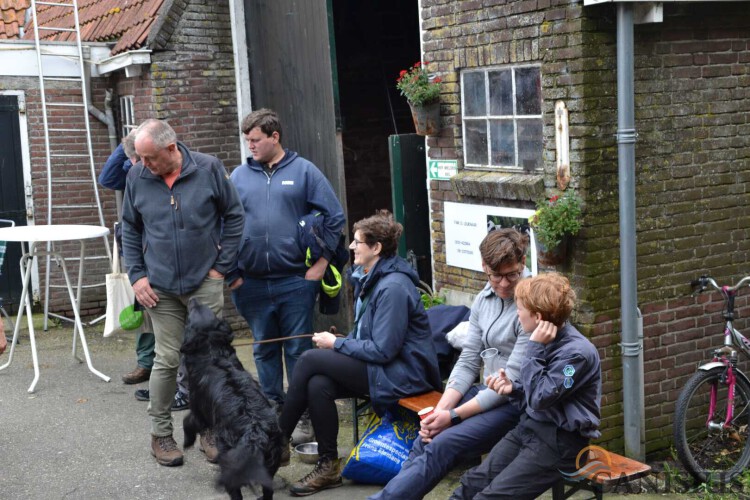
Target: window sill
(499,185)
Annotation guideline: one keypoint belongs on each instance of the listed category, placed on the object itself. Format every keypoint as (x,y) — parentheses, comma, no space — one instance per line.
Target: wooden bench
(614,471)
(414,403)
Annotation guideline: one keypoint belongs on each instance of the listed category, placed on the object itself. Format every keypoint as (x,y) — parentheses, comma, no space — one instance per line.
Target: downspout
(241,68)
(632,376)
(108,118)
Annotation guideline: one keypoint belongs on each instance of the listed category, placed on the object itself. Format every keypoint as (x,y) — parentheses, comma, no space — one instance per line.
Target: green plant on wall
(556,217)
(431,300)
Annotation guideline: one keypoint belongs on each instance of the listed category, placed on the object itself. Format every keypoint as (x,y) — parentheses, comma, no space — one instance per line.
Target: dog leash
(332,330)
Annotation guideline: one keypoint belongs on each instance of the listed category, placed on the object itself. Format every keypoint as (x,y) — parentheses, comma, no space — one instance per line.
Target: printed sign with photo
(467,225)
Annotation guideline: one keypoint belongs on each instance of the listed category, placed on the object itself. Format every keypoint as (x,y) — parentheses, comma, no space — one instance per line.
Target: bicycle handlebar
(702,284)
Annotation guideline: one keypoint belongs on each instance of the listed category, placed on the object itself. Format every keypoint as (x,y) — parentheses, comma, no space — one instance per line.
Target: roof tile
(127,21)
(12,14)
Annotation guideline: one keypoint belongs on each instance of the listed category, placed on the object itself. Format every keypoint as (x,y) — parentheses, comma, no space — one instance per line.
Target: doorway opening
(375,40)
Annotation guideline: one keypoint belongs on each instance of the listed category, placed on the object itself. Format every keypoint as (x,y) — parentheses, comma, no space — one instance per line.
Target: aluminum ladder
(67,147)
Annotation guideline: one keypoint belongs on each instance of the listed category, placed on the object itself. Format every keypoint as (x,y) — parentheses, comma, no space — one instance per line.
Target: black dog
(226,399)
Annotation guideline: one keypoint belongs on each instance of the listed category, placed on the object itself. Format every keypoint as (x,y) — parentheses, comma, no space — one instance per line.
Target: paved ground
(78,437)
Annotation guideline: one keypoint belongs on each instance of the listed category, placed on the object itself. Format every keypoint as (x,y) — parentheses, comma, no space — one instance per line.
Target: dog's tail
(243,465)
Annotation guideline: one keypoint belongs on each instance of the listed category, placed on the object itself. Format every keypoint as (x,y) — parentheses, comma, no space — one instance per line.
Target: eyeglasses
(355,242)
(497,277)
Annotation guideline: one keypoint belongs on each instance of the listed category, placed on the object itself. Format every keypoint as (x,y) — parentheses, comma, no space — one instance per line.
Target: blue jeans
(144,349)
(429,463)
(276,308)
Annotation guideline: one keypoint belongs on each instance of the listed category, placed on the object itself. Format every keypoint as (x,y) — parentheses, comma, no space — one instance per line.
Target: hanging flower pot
(552,256)
(426,118)
(555,221)
(422,92)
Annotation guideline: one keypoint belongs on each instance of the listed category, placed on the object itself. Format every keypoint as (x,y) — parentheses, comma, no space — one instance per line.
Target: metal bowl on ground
(308,452)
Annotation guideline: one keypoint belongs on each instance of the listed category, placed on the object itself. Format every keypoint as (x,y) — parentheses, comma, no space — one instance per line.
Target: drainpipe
(108,118)
(113,140)
(632,376)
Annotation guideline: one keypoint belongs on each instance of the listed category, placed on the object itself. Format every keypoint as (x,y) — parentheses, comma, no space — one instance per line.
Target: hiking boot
(181,401)
(165,449)
(207,444)
(136,376)
(142,395)
(324,476)
(303,432)
(286,454)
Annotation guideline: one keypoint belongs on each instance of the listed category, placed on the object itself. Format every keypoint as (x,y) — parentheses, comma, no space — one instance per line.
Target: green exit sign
(442,169)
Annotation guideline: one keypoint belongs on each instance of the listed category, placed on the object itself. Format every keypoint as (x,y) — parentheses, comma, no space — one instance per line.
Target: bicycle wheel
(712,453)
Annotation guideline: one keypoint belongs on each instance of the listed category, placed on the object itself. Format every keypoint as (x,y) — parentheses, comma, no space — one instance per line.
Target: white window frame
(127,114)
(487,117)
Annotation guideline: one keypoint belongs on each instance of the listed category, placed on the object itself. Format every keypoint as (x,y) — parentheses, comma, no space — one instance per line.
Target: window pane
(476,142)
(501,93)
(503,153)
(530,144)
(528,92)
(474,97)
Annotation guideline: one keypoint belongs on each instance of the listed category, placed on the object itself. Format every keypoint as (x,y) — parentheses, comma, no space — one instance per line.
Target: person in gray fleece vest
(470,419)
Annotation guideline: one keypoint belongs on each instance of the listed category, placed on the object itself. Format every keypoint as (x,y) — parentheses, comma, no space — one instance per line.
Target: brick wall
(72,184)
(693,163)
(190,83)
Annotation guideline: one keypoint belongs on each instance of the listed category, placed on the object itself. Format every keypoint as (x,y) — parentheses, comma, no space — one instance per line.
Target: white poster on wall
(467,225)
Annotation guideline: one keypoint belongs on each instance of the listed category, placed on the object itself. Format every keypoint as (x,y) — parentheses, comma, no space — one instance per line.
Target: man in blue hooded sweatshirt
(277,188)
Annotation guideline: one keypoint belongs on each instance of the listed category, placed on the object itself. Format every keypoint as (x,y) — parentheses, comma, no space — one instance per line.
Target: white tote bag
(121,316)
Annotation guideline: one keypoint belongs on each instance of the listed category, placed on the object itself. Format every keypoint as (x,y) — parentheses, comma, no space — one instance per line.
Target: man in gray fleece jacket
(182,224)
(470,419)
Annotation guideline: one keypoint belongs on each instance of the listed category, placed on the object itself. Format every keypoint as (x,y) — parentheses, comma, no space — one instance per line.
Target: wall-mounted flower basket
(555,222)
(426,118)
(422,92)
(553,256)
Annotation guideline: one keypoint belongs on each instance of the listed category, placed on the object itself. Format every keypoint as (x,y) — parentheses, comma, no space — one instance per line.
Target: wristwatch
(455,417)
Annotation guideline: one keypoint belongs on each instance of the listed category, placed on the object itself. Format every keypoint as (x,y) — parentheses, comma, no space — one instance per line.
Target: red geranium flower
(418,86)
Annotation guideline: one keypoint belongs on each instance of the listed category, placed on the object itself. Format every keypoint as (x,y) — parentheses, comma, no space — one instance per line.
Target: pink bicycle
(712,416)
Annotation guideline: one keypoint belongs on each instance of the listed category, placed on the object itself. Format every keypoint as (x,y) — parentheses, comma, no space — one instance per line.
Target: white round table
(32,235)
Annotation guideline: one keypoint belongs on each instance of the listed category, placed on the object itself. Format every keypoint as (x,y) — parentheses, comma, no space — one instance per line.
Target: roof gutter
(131,61)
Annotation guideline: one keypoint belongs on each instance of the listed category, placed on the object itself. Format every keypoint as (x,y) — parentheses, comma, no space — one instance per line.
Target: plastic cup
(489,358)
(424,412)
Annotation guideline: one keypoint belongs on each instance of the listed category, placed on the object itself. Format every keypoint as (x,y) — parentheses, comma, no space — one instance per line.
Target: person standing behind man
(277,188)
(182,224)
(113,175)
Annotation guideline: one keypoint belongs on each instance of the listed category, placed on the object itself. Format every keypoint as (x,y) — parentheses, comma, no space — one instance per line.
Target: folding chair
(3,223)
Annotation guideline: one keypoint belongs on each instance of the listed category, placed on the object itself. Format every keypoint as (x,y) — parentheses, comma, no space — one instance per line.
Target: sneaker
(324,476)
(181,401)
(136,376)
(207,444)
(303,432)
(165,449)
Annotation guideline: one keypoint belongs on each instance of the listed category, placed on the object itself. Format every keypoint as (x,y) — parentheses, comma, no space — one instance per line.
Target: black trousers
(321,376)
(524,464)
